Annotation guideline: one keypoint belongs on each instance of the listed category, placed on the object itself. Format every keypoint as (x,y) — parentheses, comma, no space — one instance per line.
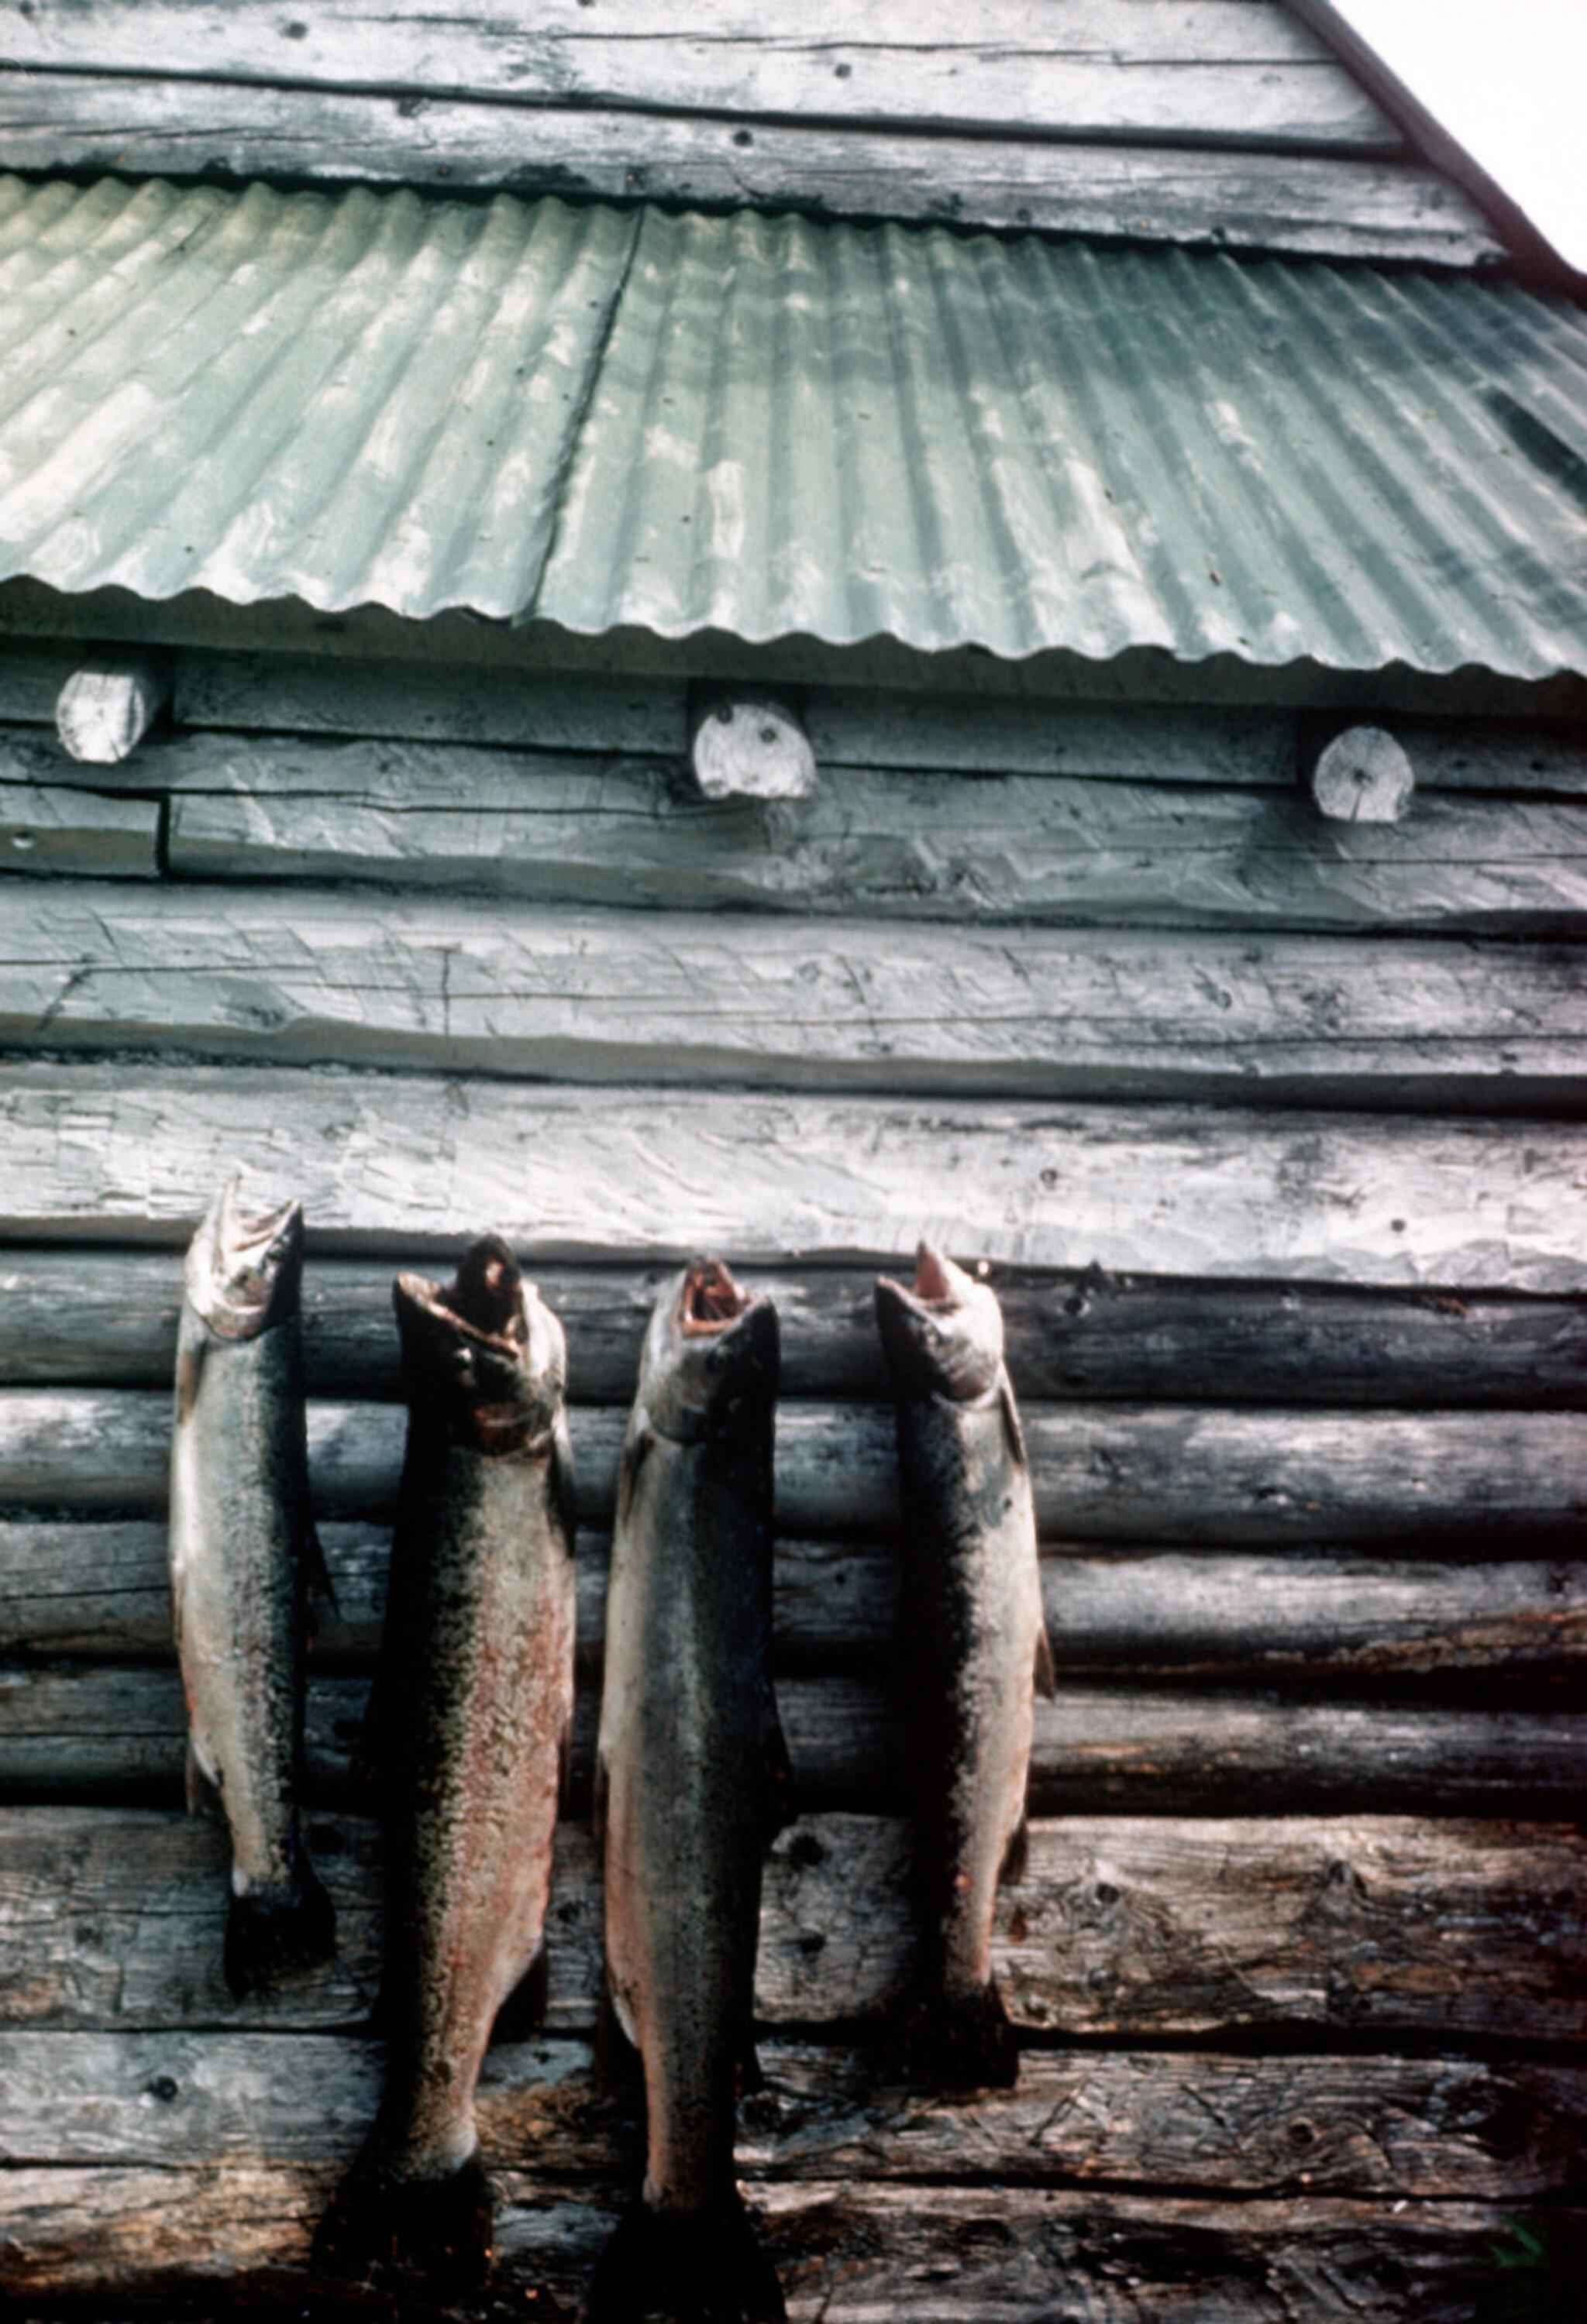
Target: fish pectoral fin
(524,2011)
(780,1805)
(1045,1676)
(312,1552)
(636,1444)
(564,1480)
(1012,1430)
(203,1791)
(1017,1855)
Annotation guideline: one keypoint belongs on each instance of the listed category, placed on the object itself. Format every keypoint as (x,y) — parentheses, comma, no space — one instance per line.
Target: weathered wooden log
(1157,1474)
(1134,1927)
(105,708)
(92,1317)
(76,1587)
(750,746)
(32,677)
(56,827)
(1053,848)
(1298,204)
(1265,2126)
(1478,754)
(792,1005)
(109,1732)
(1245,76)
(1362,776)
(127,1151)
(849,2253)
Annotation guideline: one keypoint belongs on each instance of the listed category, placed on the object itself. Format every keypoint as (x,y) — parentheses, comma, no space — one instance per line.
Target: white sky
(1508,78)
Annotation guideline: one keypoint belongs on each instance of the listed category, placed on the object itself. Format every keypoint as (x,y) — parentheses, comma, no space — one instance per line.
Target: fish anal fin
(1044,1675)
(524,2012)
(1017,1855)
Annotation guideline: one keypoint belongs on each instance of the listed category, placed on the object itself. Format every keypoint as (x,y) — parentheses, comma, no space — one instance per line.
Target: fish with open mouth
(469,1736)
(975,1653)
(244,1555)
(690,1778)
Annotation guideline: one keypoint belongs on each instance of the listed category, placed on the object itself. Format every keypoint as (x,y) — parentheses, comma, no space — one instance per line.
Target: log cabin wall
(1269,1127)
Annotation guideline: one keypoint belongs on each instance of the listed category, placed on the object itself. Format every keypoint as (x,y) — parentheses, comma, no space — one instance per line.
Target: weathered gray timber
(396,699)
(881,842)
(1150,1474)
(1296,203)
(1196,69)
(611,996)
(110,1732)
(1377,2125)
(98,1589)
(96,1318)
(114,1152)
(1474,754)
(106,706)
(1364,776)
(55,827)
(1134,1927)
(30,679)
(846,2253)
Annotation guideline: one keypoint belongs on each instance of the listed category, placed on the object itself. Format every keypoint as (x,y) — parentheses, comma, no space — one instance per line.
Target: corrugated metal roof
(771,426)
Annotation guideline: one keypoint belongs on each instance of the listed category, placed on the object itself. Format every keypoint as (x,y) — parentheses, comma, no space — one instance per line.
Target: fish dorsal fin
(1013,1431)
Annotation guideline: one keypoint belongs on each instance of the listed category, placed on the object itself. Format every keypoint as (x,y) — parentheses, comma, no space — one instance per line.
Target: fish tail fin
(960,2042)
(709,2266)
(440,2229)
(273,1933)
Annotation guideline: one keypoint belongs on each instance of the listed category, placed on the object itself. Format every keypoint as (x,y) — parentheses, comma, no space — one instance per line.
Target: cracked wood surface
(1133,1928)
(127,1151)
(1200,71)
(595,996)
(92,1317)
(56,827)
(100,1589)
(1153,1474)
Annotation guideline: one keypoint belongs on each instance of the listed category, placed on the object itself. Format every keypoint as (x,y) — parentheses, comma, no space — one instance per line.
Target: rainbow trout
(474,1704)
(977,1650)
(690,1775)
(242,1555)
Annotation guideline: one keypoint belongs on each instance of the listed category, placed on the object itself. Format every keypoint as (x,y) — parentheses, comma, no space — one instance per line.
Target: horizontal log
(899,845)
(851,2253)
(93,1318)
(126,1151)
(100,1589)
(1136,1928)
(32,678)
(107,705)
(1189,68)
(697,1000)
(1260,2126)
(1234,199)
(1156,1473)
(56,827)
(109,1731)
(1488,755)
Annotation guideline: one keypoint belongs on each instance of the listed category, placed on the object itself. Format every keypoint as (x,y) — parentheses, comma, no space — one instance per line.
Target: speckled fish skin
(974,1650)
(473,1713)
(688,1783)
(242,1550)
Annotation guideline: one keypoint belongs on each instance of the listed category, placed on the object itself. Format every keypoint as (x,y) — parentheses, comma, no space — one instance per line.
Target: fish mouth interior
(482,1304)
(933,1286)
(710,1299)
(250,1244)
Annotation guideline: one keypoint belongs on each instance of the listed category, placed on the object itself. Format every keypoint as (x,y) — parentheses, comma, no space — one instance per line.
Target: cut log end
(1364,776)
(750,746)
(105,709)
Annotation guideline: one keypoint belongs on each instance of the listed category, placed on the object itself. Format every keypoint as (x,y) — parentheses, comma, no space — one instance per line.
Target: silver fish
(976,1650)
(242,1553)
(690,1775)
(471,1723)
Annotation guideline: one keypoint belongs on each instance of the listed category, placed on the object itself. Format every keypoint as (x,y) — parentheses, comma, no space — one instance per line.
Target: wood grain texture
(107,705)
(1135,1928)
(92,1317)
(30,679)
(613,996)
(887,844)
(1153,1474)
(100,1589)
(78,1732)
(1193,69)
(126,1151)
(1263,2126)
(1233,198)
(58,827)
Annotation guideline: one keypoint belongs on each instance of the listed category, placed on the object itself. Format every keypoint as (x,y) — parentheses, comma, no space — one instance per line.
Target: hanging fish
(242,1553)
(976,1651)
(691,1772)
(474,1704)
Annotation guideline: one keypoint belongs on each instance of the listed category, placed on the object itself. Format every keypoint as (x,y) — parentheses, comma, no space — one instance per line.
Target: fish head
(244,1270)
(711,1347)
(943,1333)
(486,1347)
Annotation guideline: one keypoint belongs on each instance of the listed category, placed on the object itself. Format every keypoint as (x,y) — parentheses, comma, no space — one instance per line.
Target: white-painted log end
(1364,776)
(105,709)
(750,746)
